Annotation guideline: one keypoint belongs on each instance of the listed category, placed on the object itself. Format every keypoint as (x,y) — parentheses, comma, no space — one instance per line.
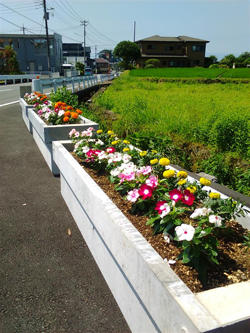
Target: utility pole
(95,51)
(46,17)
(134,30)
(84,23)
(23,28)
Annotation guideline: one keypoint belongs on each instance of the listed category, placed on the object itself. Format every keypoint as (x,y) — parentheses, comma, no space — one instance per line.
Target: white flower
(102,155)
(61,113)
(167,237)
(126,158)
(185,232)
(47,114)
(115,172)
(216,219)
(200,212)
(85,149)
(99,142)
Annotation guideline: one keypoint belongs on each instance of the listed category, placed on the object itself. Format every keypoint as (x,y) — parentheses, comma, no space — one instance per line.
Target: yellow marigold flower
(182,182)
(110,132)
(192,189)
(154,151)
(214,195)
(205,181)
(99,131)
(164,161)
(114,142)
(182,174)
(126,149)
(143,153)
(168,173)
(126,142)
(154,161)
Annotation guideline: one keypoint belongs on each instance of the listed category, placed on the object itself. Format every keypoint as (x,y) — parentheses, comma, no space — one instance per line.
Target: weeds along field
(192,72)
(202,127)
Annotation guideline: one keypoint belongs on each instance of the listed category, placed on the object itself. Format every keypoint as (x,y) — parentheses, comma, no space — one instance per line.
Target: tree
(243,59)
(128,51)
(8,61)
(80,67)
(210,61)
(228,60)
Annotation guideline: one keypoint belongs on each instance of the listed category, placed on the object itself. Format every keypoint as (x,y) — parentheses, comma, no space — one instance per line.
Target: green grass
(237,73)
(192,72)
(214,115)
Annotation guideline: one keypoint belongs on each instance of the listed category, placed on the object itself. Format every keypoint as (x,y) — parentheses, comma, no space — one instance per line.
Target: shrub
(63,94)
(153,62)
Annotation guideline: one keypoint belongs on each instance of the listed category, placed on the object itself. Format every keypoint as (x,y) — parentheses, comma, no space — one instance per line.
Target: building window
(150,47)
(197,48)
(172,64)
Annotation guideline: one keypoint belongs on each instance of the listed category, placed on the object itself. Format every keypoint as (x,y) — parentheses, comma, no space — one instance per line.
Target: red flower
(145,191)
(110,150)
(160,206)
(90,153)
(175,195)
(188,198)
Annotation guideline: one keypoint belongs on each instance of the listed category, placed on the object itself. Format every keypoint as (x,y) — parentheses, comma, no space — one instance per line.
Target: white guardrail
(14,78)
(73,83)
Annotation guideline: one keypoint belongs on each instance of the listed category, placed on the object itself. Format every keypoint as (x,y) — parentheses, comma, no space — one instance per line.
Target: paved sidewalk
(49,281)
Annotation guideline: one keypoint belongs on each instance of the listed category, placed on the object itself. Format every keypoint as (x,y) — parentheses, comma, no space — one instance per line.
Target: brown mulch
(233,256)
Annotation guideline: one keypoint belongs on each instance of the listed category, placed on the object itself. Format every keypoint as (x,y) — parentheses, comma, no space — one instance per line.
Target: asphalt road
(49,282)
(10,93)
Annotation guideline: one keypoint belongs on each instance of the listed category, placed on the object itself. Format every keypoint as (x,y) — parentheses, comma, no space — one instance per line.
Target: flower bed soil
(233,257)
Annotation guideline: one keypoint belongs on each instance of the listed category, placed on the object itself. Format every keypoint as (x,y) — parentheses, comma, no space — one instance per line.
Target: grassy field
(208,124)
(195,72)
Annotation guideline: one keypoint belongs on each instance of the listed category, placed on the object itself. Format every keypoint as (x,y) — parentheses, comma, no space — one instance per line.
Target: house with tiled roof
(181,51)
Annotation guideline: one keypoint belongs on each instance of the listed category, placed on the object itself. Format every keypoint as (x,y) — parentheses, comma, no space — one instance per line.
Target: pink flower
(144,170)
(175,195)
(152,181)
(110,150)
(40,112)
(185,232)
(127,177)
(133,195)
(145,191)
(163,208)
(188,198)
(72,132)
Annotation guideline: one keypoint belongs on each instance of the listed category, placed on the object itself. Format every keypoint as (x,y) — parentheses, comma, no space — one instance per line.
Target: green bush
(154,63)
(65,95)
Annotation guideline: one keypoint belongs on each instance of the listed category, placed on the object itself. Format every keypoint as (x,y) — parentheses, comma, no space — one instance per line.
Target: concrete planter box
(44,135)
(150,295)
(25,107)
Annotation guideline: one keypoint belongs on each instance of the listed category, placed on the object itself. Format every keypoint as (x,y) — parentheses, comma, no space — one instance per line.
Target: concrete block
(24,89)
(25,116)
(44,135)
(150,295)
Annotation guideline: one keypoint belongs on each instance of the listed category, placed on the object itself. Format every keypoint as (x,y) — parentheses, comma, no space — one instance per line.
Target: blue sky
(225,23)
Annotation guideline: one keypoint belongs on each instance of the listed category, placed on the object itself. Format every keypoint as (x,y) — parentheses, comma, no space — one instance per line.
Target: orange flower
(68,107)
(79,111)
(65,119)
(74,115)
(67,114)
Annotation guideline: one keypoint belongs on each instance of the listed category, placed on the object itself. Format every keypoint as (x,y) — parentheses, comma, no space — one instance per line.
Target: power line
(16,25)
(73,10)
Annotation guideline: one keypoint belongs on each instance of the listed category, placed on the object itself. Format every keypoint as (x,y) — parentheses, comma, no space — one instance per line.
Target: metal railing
(15,78)
(73,83)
